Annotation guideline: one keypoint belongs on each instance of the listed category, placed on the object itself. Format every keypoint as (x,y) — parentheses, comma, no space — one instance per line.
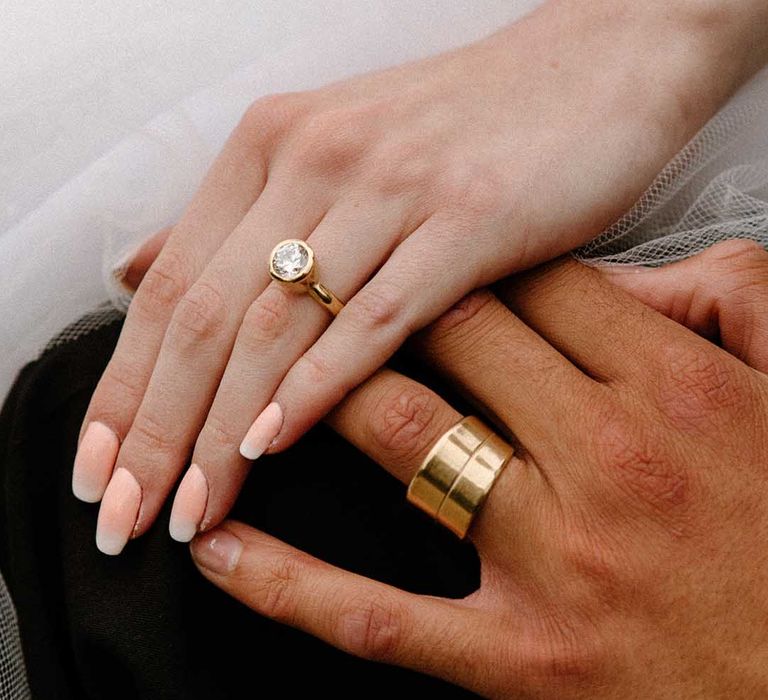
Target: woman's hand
(414,185)
(621,549)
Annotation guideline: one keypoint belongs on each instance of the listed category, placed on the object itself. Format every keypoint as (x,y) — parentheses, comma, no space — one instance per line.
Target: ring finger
(396,421)
(533,392)
(277,329)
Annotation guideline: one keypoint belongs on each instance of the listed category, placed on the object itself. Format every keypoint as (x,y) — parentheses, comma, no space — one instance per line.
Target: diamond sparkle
(290,260)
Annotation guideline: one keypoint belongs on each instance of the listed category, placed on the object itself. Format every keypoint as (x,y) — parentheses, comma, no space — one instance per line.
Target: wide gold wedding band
(458,473)
(292,262)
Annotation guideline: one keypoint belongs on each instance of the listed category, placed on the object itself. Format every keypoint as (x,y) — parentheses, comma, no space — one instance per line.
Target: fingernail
(189,505)
(264,429)
(218,550)
(118,512)
(94,462)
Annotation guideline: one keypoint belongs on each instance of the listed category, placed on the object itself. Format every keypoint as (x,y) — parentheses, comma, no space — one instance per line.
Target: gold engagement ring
(292,262)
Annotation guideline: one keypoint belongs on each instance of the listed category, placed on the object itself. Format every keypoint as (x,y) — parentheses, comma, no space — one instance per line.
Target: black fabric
(145,624)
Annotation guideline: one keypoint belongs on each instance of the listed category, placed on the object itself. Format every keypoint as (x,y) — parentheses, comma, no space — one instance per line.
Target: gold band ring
(293,263)
(458,473)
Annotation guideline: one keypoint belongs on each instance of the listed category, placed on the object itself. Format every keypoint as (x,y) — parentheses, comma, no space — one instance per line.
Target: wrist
(669,64)
(720,44)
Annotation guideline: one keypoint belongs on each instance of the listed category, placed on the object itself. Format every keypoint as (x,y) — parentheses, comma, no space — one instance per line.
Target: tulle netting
(715,189)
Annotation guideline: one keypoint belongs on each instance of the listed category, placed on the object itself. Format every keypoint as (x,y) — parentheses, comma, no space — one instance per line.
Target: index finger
(369,619)
(232,185)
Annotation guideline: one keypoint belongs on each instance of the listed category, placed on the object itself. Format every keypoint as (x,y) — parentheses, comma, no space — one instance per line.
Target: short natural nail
(264,429)
(94,462)
(118,513)
(189,505)
(218,550)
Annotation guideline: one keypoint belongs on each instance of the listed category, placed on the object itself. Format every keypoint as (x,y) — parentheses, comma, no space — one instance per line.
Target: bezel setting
(291,261)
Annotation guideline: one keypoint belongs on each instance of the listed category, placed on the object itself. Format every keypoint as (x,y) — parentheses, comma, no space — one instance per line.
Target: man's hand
(621,549)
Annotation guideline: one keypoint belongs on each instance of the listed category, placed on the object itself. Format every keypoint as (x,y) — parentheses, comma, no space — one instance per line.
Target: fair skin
(414,185)
(621,548)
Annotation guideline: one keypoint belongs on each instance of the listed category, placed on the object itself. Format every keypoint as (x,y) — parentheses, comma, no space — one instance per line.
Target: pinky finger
(143,258)
(721,293)
(366,618)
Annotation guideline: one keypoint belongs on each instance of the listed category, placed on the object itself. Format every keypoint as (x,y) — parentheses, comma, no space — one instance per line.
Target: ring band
(293,263)
(458,473)
(443,464)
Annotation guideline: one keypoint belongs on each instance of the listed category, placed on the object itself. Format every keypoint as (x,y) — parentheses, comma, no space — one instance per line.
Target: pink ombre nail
(264,429)
(118,513)
(94,462)
(189,505)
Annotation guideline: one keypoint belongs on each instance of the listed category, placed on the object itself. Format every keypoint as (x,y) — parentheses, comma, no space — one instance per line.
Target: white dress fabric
(112,111)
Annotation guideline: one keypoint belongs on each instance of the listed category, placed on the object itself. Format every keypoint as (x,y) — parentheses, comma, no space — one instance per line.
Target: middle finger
(514,374)
(278,327)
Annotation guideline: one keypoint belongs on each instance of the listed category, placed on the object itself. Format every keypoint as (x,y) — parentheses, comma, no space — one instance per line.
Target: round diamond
(290,260)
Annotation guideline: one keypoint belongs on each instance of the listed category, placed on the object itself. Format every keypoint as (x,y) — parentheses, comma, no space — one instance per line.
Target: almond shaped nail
(261,433)
(189,505)
(94,462)
(118,513)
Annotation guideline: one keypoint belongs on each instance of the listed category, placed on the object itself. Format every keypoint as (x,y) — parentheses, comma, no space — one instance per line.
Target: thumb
(721,294)
(144,258)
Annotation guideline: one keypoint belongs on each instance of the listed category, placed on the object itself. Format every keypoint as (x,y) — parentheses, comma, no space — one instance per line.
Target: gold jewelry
(458,473)
(292,262)
(444,463)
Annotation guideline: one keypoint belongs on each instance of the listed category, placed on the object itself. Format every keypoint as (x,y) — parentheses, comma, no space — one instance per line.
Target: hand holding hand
(626,535)
(413,185)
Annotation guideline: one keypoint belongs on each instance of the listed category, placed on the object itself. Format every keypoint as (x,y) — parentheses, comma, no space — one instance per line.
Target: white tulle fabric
(112,111)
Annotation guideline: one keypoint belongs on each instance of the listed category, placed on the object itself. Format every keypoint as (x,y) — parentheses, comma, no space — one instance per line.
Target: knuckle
(465,318)
(403,420)
(124,381)
(269,115)
(472,191)
(567,656)
(700,388)
(325,145)
(268,318)
(402,167)
(609,566)
(277,586)
(164,284)
(314,369)
(324,125)
(377,306)
(371,627)
(639,466)
(199,315)
(218,434)
(149,436)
